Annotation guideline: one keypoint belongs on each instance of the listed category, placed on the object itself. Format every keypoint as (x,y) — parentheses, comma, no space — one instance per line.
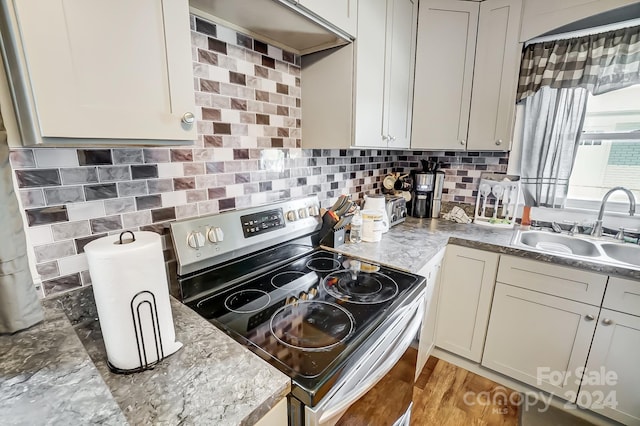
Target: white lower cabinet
(277,416)
(539,339)
(431,272)
(466,290)
(611,384)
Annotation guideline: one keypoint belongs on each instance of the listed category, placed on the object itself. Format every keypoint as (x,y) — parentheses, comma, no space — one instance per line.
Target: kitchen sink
(622,252)
(601,250)
(559,243)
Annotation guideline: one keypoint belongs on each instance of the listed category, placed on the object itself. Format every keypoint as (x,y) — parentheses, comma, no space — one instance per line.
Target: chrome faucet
(597,229)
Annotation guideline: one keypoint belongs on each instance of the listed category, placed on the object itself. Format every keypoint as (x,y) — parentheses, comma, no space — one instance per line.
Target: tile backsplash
(247,153)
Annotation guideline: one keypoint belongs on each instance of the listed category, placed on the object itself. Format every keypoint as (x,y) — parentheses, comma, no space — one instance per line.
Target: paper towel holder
(143,298)
(132,240)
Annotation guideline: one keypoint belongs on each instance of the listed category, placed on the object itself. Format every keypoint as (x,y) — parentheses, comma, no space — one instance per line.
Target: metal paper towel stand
(140,299)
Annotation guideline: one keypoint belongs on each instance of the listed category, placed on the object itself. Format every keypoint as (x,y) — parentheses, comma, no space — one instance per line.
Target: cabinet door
(539,339)
(341,13)
(444,71)
(370,69)
(277,416)
(402,18)
(429,323)
(109,70)
(610,386)
(466,290)
(495,76)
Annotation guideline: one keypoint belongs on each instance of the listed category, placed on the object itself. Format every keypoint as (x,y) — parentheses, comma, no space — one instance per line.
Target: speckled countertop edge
(56,372)
(410,245)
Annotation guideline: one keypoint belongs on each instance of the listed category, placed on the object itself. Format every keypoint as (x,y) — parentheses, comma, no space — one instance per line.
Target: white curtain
(553,120)
(19,304)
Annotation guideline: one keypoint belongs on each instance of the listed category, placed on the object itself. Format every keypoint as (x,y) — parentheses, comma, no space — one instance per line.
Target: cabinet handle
(463,142)
(188,118)
(385,137)
(607,321)
(589,317)
(499,142)
(392,138)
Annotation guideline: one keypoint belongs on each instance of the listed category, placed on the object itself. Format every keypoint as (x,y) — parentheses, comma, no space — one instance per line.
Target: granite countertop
(56,373)
(411,244)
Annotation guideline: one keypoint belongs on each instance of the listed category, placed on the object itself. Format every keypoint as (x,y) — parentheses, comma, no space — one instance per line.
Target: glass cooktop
(308,315)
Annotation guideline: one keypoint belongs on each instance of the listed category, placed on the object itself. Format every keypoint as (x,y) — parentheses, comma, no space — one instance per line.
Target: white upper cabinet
(90,72)
(466,74)
(341,13)
(361,95)
(444,73)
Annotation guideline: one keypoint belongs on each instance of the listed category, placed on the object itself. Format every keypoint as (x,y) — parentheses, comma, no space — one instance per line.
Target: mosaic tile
(127,189)
(54,251)
(37,177)
(106,224)
(144,172)
(22,158)
(100,192)
(80,243)
(94,157)
(60,284)
(79,175)
(46,215)
(155,155)
(32,198)
(113,173)
(148,202)
(127,156)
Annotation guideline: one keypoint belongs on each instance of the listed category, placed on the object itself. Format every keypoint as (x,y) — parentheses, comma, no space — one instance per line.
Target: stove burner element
(312,325)
(247,301)
(360,287)
(323,264)
(284,278)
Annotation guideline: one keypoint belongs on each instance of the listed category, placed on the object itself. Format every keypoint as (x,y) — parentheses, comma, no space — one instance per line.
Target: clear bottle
(356,227)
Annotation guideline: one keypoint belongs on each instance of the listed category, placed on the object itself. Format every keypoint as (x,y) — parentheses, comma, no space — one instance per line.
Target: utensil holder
(502,204)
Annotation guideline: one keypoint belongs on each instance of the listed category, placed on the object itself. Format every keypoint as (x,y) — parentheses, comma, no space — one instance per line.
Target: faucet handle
(620,235)
(574,226)
(556,227)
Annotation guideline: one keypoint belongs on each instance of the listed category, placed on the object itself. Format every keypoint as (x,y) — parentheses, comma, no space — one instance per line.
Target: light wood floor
(446,395)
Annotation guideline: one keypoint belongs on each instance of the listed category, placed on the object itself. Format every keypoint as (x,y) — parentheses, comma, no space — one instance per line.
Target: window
(609,151)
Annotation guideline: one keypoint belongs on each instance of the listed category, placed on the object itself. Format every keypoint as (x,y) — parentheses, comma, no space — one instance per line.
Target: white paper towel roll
(126,279)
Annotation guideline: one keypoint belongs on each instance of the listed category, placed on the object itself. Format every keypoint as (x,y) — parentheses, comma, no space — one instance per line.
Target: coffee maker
(426,199)
(422,194)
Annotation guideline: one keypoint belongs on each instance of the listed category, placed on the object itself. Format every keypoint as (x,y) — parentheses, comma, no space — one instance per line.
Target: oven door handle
(380,369)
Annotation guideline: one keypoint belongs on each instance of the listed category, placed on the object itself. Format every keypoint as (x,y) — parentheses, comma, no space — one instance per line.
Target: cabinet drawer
(623,295)
(552,279)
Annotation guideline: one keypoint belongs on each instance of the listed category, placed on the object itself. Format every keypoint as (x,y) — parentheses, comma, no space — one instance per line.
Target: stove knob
(195,240)
(302,213)
(313,292)
(291,216)
(215,235)
(313,210)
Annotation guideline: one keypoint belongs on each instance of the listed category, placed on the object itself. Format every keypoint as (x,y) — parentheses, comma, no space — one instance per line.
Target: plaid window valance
(599,63)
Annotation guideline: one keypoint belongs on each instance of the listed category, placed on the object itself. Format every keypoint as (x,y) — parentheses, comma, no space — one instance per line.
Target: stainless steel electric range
(336,325)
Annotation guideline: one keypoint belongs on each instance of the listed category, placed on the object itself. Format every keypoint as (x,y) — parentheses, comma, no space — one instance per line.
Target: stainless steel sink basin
(599,250)
(622,252)
(557,243)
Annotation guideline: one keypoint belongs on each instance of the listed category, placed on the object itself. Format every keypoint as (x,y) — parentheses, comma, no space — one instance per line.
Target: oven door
(376,385)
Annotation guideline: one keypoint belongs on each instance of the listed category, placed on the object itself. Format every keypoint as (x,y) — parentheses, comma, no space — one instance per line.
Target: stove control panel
(259,223)
(205,241)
